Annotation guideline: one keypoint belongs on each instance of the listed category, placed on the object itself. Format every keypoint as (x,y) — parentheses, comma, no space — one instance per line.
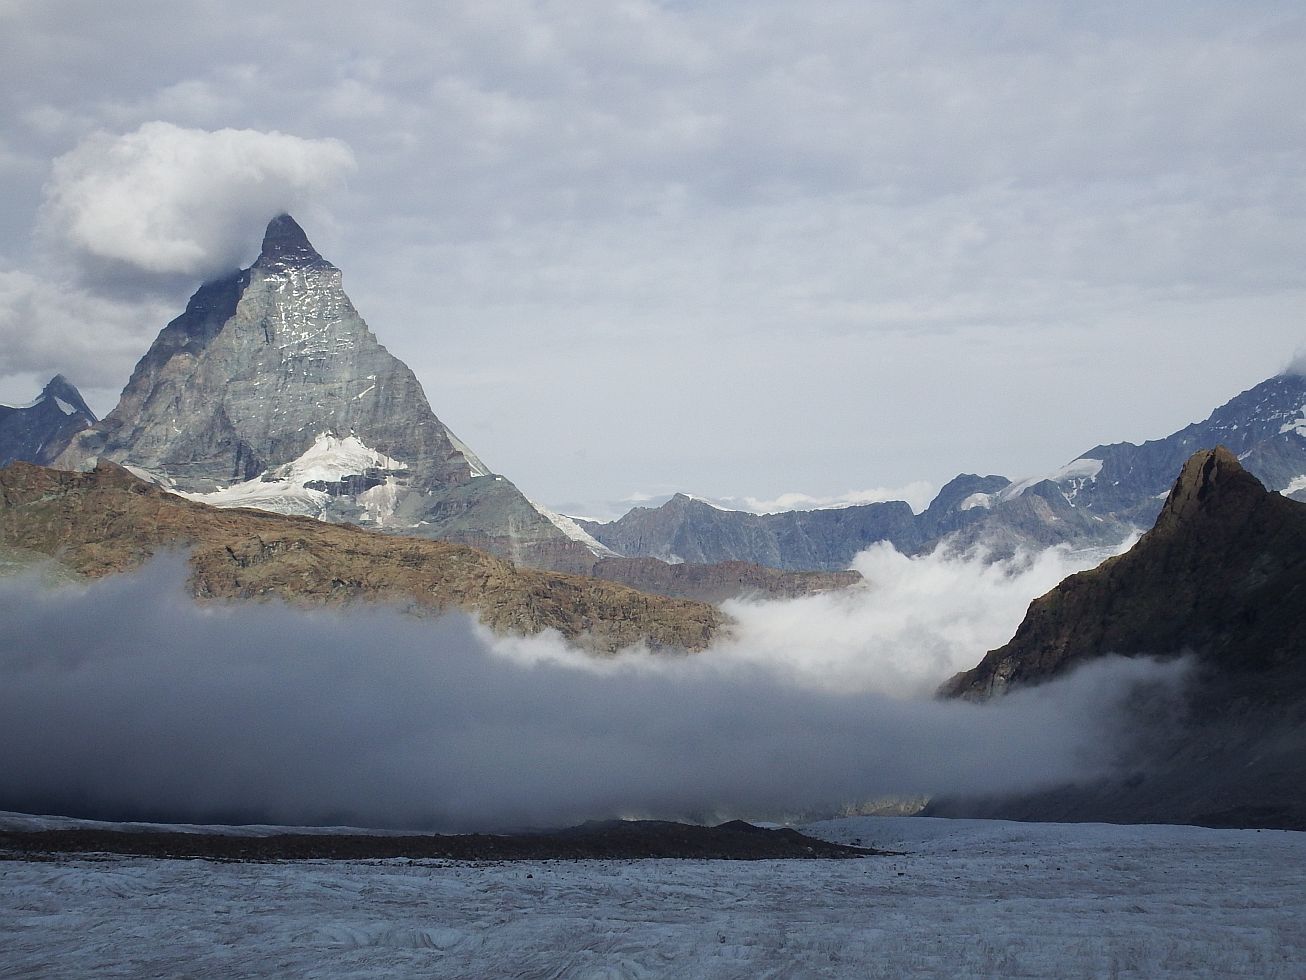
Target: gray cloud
(124,699)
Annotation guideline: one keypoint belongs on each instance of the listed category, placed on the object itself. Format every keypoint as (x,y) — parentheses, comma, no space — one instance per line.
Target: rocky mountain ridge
(1221,579)
(1098,498)
(271,391)
(107,520)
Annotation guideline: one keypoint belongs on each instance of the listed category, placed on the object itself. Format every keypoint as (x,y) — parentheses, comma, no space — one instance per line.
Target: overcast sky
(736,248)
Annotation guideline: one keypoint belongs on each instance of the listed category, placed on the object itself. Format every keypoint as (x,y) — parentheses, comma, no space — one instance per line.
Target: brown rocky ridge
(107,520)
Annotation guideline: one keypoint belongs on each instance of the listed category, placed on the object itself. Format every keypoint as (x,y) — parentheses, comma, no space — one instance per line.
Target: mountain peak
(1208,475)
(63,389)
(284,243)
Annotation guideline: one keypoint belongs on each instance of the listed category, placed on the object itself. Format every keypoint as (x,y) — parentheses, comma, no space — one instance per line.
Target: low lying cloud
(170,201)
(916,622)
(125,699)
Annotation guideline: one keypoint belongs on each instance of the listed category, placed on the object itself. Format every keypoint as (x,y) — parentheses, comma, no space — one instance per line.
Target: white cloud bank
(167,200)
(125,699)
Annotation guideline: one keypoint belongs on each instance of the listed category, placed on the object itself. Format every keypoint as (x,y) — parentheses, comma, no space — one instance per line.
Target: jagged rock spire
(285,244)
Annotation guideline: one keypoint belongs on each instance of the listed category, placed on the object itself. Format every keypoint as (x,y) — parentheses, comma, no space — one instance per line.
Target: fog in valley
(124,699)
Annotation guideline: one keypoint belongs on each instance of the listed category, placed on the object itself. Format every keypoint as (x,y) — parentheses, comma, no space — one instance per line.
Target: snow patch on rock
(574,531)
(984,500)
(1297,425)
(331,458)
(1077,471)
(283,488)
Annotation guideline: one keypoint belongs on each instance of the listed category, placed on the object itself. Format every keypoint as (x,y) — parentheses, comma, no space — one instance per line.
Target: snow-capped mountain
(1098,498)
(270,391)
(40,430)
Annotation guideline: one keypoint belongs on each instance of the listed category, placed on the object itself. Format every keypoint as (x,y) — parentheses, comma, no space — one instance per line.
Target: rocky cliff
(107,520)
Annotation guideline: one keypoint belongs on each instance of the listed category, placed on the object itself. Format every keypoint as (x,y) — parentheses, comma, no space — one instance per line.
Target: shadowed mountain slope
(1222,574)
(1220,579)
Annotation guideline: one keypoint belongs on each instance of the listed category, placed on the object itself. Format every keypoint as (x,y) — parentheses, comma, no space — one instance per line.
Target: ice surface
(984,500)
(969,899)
(64,406)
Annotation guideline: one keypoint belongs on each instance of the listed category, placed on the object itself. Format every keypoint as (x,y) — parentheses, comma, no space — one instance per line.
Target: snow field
(972,899)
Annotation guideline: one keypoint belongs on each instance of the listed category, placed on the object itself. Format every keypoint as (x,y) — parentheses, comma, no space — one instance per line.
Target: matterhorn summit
(270,391)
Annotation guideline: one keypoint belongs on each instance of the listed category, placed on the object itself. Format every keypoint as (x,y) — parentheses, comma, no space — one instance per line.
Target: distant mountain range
(1221,578)
(1100,497)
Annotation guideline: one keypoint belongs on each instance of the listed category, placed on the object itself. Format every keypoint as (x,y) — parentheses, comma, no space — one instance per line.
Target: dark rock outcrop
(615,840)
(1220,578)
(1222,575)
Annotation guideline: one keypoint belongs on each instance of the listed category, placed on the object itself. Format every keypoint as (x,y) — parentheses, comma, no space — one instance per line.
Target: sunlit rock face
(270,391)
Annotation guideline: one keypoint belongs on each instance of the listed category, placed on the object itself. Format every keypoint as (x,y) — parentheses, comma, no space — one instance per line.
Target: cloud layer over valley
(125,699)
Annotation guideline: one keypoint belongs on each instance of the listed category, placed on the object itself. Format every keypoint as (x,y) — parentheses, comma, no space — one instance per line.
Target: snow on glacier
(282,488)
(964,899)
